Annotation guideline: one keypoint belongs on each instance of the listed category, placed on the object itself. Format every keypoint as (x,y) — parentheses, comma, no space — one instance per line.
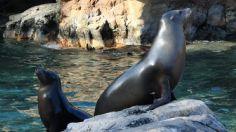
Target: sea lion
(151,80)
(54,109)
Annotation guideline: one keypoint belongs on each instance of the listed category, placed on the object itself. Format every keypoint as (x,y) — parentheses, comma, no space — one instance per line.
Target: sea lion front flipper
(165,94)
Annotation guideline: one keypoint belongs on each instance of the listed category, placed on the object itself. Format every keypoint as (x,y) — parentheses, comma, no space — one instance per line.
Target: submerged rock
(183,115)
(38,23)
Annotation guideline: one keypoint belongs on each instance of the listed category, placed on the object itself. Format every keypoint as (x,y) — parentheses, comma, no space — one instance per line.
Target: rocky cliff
(109,23)
(211,19)
(116,23)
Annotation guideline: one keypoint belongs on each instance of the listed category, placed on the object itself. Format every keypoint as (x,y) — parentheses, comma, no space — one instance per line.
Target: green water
(210,75)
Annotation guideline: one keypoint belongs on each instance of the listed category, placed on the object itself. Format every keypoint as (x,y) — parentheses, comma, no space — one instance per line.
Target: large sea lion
(54,109)
(151,80)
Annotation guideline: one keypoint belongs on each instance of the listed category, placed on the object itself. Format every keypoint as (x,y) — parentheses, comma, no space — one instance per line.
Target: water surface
(210,76)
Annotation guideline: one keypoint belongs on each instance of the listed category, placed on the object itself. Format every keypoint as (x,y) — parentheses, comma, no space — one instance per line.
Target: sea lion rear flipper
(165,94)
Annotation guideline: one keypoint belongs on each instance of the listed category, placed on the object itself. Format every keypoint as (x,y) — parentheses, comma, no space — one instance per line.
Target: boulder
(231,19)
(183,115)
(3,20)
(38,23)
(211,33)
(198,18)
(216,15)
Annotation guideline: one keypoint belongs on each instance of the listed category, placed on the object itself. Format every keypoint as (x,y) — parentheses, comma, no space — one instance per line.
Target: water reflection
(210,75)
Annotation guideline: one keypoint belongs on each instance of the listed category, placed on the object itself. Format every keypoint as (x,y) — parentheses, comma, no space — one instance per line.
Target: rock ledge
(183,115)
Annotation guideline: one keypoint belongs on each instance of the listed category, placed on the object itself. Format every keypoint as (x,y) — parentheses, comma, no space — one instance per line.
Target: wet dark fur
(54,109)
(151,80)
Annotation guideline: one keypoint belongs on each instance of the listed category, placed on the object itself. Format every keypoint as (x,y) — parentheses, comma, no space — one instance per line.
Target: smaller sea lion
(55,110)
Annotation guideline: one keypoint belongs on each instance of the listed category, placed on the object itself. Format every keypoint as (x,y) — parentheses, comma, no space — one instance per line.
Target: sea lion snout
(40,73)
(176,16)
(44,76)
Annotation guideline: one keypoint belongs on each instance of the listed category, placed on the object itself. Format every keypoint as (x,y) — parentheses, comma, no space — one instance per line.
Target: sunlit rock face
(115,23)
(97,24)
(109,23)
(184,115)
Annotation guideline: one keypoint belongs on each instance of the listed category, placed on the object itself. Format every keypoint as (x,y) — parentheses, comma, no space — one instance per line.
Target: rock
(216,15)
(97,24)
(3,20)
(183,115)
(211,19)
(9,7)
(110,23)
(38,23)
(211,33)
(117,23)
(199,16)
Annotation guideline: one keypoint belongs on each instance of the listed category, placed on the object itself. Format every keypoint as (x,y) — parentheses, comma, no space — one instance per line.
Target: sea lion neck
(169,41)
(167,29)
(167,35)
(49,87)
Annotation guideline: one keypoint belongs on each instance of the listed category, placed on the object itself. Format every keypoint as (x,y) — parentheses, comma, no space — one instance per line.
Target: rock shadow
(152,12)
(107,35)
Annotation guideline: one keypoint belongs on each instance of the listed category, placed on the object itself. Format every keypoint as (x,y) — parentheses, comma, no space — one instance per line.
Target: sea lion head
(46,77)
(177,16)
